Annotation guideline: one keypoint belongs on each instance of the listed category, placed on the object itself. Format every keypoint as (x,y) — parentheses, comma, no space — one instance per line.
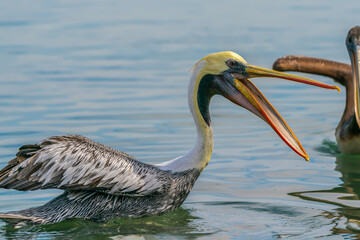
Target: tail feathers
(6,170)
(24,153)
(16,219)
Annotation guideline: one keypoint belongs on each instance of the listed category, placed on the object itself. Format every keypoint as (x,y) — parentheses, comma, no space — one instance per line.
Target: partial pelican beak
(244,93)
(254,71)
(355,62)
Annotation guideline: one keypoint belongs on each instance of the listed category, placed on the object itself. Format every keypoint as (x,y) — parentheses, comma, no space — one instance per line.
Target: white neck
(200,154)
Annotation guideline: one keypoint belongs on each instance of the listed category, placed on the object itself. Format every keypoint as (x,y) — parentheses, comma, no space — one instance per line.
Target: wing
(74,162)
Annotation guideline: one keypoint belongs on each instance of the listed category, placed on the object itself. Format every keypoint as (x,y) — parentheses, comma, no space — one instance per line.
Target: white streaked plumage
(82,164)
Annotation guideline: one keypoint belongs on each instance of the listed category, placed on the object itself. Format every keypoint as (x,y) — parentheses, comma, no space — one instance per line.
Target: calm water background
(117,72)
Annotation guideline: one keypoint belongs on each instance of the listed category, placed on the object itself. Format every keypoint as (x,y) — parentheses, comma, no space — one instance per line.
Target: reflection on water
(345,196)
(178,223)
(328,148)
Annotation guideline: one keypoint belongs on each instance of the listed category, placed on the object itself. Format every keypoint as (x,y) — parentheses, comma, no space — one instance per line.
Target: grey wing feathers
(74,162)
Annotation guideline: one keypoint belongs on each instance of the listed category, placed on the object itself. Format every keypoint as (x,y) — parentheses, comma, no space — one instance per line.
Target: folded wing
(74,162)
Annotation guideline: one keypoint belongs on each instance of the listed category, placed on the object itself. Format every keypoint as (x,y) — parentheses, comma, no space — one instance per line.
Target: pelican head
(228,74)
(353,46)
(348,131)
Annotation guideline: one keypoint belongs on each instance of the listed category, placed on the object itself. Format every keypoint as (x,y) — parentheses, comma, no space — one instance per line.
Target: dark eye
(232,63)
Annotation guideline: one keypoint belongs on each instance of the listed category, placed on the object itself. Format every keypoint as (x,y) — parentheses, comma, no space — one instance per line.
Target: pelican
(100,183)
(348,130)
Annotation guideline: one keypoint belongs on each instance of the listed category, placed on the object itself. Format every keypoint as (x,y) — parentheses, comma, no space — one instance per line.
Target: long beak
(250,97)
(254,71)
(354,55)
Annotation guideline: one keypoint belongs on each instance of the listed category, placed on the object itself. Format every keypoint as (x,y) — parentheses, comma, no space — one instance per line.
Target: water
(117,72)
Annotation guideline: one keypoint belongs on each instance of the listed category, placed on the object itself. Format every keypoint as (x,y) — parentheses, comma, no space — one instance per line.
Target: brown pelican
(102,183)
(348,131)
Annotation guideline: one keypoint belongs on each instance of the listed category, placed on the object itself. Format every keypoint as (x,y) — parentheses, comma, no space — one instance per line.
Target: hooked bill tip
(337,88)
